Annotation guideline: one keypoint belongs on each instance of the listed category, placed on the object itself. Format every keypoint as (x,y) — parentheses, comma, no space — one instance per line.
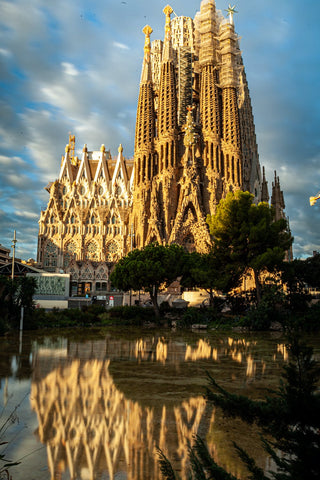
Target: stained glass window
(50,254)
(92,251)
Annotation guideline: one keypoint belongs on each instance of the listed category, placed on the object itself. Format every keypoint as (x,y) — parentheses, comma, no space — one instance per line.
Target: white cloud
(69,69)
(5,53)
(121,45)
(26,214)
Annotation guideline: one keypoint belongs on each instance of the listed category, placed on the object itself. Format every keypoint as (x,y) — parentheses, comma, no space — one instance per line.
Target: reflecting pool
(96,404)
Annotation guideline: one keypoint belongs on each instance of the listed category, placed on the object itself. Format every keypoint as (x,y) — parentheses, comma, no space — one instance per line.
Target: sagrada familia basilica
(194,142)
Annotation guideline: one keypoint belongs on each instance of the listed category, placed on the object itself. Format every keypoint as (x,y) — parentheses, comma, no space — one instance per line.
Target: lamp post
(131,245)
(14,241)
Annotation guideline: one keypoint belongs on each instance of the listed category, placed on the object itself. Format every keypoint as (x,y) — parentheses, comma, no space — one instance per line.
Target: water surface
(95,404)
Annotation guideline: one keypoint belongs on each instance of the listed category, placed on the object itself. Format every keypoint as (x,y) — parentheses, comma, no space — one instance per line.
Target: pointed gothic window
(50,254)
(92,219)
(67,259)
(72,219)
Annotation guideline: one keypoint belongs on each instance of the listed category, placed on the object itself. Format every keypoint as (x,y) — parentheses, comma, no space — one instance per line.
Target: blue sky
(74,66)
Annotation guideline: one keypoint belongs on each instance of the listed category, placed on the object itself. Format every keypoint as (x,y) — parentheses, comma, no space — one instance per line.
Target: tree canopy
(210,272)
(15,294)
(150,268)
(247,236)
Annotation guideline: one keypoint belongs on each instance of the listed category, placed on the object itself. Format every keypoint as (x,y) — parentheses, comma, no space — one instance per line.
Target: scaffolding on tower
(184,82)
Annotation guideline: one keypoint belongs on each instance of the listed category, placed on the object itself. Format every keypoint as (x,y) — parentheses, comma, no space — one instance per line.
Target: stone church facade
(194,142)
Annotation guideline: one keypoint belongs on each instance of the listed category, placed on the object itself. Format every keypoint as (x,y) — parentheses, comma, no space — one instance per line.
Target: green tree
(150,268)
(246,235)
(290,417)
(210,272)
(15,294)
(305,272)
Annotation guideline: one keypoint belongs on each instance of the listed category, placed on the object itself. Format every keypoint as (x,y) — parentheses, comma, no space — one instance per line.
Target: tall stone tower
(195,138)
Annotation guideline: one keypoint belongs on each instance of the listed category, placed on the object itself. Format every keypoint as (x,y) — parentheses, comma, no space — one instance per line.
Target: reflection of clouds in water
(89,425)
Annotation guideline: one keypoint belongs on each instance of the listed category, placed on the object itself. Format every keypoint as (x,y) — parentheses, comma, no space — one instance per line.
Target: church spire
(229,82)
(146,75)
(167,47)
(209,95)
(145,123)
(264,188)
(277,200)
(167,108)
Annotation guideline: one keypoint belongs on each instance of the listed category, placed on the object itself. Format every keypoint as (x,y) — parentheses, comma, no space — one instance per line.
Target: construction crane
(314,199)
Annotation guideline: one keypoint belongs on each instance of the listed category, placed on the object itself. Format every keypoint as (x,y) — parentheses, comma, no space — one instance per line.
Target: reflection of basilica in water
(97,425)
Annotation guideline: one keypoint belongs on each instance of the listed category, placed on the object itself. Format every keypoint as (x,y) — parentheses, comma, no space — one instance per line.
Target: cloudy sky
(74,66)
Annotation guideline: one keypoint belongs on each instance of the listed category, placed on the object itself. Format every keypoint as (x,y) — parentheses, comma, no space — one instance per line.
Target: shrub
(270,309)
(134,315)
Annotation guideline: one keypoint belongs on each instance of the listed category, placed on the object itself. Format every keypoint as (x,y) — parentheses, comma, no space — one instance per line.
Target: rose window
(92,251)
(71,247)
(51,248)
(111,251)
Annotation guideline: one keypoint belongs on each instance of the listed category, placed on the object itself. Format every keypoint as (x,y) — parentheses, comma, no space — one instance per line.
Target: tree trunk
(257,283)
(211,297)
(154,299)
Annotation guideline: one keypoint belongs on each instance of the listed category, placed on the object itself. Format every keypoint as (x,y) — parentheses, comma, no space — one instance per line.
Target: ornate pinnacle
(147,45)
(167,11)
(231,11)
(120,148)
(190,135)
